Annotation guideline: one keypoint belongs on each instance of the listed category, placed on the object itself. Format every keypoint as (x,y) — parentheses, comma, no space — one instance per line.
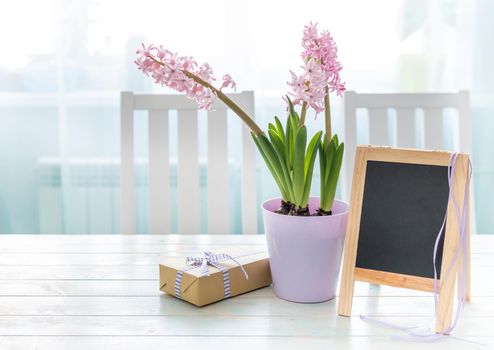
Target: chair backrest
(406,106)
(188,202)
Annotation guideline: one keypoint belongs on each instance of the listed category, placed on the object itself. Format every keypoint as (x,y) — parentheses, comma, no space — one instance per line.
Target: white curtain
(63,63)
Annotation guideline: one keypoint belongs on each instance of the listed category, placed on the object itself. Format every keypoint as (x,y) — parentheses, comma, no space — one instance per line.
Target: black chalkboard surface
(403,209)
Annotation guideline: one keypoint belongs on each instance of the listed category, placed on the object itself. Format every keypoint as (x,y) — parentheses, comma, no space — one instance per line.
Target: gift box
(213,276)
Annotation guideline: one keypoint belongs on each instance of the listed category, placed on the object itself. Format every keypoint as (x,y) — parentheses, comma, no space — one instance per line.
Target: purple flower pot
(305,252)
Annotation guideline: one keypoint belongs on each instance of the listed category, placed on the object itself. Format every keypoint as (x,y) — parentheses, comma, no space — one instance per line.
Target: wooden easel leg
(468,257)
(471,226)
(450,268)
(346,295)
(444,310)
(468,272)
(352,233)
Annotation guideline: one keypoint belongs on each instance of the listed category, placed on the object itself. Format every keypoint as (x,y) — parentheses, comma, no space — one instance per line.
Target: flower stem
(327,116)
(303,113)
(228,101)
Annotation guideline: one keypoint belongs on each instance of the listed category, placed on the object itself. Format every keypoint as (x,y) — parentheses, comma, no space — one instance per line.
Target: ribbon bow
(203,263)
(212,259)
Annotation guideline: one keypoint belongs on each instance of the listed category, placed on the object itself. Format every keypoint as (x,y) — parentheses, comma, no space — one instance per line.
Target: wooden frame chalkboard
(397,206)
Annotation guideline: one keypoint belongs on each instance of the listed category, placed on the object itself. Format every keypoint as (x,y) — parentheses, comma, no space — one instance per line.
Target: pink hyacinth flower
(228,82)
(174,71)
(321,69)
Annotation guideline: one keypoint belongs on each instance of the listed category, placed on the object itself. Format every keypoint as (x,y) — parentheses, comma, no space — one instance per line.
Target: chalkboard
(403,210)
(398,202)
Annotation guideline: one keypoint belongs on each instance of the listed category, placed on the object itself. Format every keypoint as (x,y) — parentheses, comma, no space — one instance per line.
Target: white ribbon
(414,333)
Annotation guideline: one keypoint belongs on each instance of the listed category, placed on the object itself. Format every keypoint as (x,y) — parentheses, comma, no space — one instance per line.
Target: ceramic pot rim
(269,212)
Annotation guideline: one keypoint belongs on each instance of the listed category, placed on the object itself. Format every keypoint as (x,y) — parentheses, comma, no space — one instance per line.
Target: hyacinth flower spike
(288,152)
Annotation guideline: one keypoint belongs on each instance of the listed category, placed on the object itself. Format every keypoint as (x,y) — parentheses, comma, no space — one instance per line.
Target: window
(63,64)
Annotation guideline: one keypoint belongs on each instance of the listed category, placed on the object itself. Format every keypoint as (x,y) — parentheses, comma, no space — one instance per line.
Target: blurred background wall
(63,64)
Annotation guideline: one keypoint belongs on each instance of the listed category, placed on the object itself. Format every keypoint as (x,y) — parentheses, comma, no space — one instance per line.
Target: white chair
(188,165)
(406,106)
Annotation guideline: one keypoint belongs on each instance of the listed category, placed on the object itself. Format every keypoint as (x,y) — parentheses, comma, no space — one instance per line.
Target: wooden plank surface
(220,342)
(211,325)
(250,304)
(101,292)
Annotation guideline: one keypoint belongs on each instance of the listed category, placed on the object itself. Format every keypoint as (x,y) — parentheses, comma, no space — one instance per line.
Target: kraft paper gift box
(190,282)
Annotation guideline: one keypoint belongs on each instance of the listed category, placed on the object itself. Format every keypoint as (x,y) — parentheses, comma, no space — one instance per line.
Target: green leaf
(270,152)
(272,127)
(279,127)
(295,126)
(298,164)
(322,167)
(290,106)
(311,150)
(292,112)
(330,152)
(289,144)
(277,144)
(268,162)
(280,151)
(335,139)
(296,118)
(333,178)
(310,158)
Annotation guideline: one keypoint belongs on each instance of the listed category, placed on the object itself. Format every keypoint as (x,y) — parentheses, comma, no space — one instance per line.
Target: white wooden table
(101,292)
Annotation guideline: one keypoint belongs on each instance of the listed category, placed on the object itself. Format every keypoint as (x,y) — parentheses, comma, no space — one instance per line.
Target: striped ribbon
(413,333)
(203,263)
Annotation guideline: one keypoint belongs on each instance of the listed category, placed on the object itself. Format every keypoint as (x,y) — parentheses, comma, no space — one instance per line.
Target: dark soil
(285,208)
(322,212)
(298,211)
(290,209)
